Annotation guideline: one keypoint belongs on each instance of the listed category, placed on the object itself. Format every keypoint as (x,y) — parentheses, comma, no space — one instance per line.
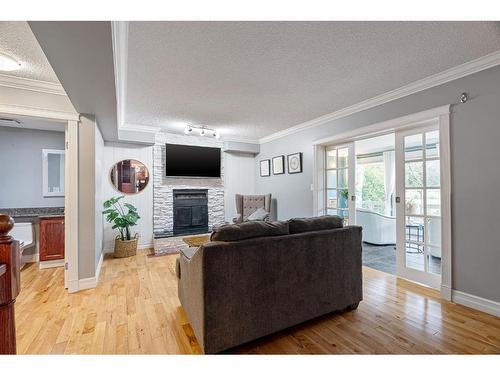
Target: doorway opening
(375,190)
(393,179)
(51,200)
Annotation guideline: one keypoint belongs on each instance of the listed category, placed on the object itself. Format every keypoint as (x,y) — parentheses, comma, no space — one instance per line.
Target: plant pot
(126,248)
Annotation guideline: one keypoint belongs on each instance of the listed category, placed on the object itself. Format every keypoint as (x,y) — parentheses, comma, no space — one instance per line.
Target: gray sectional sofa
(257,278)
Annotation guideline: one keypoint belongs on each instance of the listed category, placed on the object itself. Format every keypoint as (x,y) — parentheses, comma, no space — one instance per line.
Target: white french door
(340,182)
(418,205)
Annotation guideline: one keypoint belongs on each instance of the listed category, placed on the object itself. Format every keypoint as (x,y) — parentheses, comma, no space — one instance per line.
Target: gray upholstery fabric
(248,204)
(235,292)
(315,223)
(178,268)
(249,229)
(190,289)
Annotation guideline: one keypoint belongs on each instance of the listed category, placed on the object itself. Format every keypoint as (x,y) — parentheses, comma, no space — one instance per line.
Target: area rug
(196,241)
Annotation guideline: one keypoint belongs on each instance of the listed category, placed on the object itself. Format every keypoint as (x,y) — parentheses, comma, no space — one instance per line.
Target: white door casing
(439,116)
(71,121)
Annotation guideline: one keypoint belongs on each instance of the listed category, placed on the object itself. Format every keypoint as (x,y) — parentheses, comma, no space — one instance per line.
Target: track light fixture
(203,130)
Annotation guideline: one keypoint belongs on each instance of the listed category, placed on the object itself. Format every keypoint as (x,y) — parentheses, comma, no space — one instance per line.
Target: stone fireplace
(175,198)
(190,211)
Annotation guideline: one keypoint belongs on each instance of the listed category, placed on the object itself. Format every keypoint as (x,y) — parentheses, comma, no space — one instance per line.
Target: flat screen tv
(192,161)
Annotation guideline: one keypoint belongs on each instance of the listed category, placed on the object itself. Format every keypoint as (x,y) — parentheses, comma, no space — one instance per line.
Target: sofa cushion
(188,252)
(315,223)
(249,229)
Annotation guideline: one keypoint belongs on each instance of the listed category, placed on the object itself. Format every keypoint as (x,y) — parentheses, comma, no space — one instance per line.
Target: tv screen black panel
(192,161)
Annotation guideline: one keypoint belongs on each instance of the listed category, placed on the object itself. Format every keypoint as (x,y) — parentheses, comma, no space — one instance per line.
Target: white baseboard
(88,283)
(29,258)
(477,303)
(91,282)
(51,264)
(446,292)
(72,286)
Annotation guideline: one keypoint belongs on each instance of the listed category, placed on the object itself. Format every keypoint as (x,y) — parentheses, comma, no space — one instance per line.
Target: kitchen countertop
(32,213)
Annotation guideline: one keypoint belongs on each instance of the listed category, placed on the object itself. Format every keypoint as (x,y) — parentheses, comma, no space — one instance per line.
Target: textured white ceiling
(252,79)
(17,40)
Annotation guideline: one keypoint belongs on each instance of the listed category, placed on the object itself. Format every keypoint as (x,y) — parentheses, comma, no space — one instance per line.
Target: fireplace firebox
(190,211)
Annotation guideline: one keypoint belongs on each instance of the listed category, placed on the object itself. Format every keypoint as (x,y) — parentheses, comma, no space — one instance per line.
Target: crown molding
(471,67)
(31,85)
(21,110)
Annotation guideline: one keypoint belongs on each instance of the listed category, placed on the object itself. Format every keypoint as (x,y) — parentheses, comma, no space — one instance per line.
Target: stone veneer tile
(163,187)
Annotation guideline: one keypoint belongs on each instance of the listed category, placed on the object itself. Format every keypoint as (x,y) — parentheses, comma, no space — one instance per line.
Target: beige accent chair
(248,204)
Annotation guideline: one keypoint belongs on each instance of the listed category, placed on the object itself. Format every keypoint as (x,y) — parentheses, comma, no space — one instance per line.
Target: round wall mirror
(129,176)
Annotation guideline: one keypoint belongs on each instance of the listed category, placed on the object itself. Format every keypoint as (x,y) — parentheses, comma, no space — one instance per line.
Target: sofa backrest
(315,223)
(249,229)
(254,229)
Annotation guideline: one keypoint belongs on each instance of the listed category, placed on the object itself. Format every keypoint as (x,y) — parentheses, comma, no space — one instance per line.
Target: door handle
(398,200)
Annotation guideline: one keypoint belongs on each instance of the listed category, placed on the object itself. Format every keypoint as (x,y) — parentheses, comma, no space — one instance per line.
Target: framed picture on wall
(265,168)
(294,163)
(279,164)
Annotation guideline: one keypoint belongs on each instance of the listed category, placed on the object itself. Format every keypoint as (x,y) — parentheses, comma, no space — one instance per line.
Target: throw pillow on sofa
(259,214)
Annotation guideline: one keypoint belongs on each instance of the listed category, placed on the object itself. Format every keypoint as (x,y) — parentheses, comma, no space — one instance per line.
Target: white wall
(239,179)
(113,153)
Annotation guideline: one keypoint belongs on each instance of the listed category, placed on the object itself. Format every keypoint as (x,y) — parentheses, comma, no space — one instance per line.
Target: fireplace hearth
(190,214)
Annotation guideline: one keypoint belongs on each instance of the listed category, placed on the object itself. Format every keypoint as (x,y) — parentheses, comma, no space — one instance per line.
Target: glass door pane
(418,188)
(338,181)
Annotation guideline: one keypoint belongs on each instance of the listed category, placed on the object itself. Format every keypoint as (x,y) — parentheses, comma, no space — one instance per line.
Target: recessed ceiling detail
(252,79)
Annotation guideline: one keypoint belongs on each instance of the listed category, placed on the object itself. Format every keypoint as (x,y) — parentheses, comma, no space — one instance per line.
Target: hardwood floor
(135,309)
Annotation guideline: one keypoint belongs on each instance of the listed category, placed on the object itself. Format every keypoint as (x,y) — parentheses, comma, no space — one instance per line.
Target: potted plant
(122,217)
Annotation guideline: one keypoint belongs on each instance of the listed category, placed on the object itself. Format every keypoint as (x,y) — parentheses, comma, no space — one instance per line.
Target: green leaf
(121,221)
(130,207)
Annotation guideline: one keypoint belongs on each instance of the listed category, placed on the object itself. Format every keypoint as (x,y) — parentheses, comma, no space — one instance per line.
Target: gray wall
(475,157)
(99,194)
(90,225)
(21,162)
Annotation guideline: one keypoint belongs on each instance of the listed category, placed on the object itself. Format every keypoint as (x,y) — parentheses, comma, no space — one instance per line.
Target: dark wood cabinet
(10,285)
(51,238)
